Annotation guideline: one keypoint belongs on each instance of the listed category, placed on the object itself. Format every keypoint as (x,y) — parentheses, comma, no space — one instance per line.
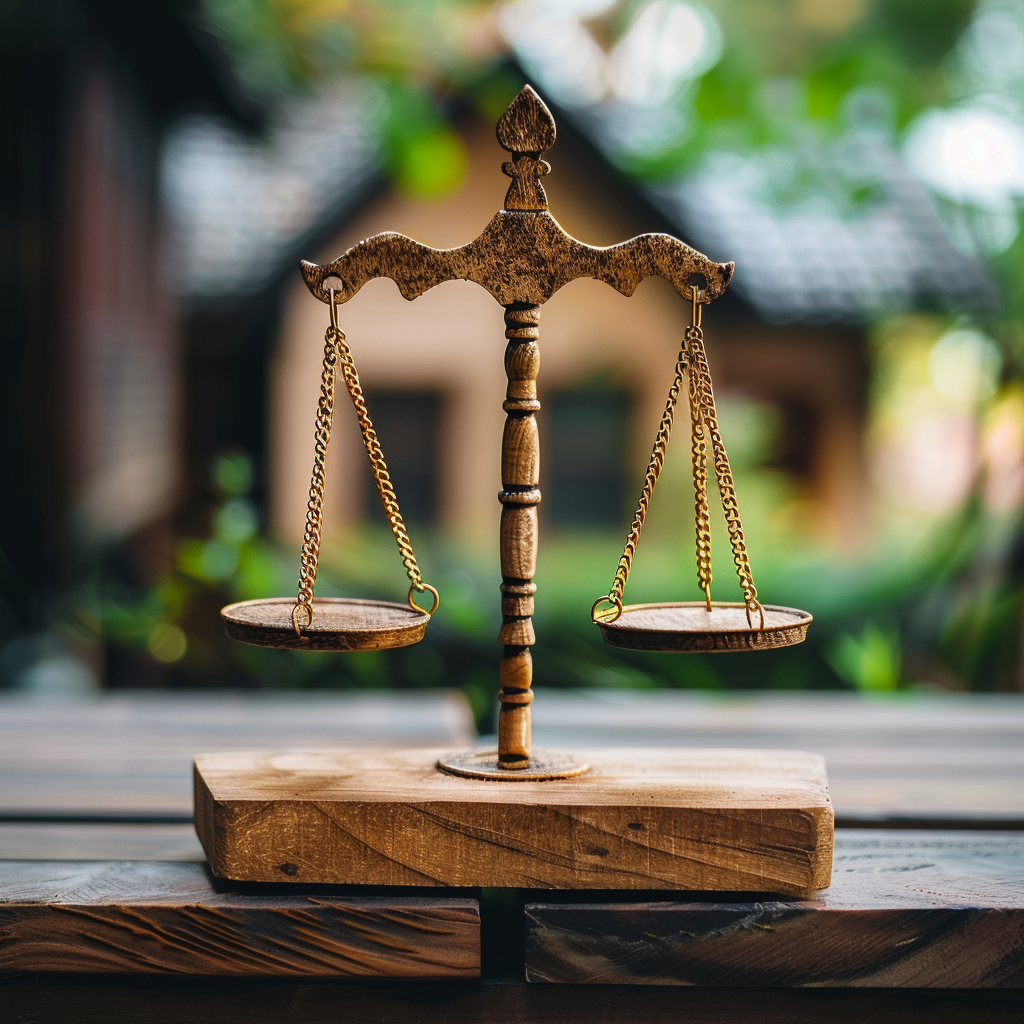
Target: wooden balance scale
(613,819)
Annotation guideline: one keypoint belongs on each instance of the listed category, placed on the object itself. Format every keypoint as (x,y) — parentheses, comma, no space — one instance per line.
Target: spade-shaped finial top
(526,129)
(527,125)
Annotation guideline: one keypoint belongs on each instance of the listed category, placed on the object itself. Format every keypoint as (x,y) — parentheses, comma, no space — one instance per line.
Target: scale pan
(339,624)
(688,627)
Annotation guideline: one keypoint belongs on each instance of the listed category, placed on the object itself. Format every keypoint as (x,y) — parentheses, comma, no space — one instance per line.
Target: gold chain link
(704,424)
(336,350)
(699,458)
(700,387)
(654,467)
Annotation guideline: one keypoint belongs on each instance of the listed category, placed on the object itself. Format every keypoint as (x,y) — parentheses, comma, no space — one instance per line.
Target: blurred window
(408,425)
(799,432)
(585,445)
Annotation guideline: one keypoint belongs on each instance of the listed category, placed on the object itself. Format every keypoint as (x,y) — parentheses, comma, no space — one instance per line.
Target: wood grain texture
(723,820)
(128,755)
(936,760)
(687,627)
(916,910)
(339,624)
(518,531)
(170,919)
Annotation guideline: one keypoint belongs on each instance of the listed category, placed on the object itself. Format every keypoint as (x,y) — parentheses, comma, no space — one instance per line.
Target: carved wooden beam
(523,255)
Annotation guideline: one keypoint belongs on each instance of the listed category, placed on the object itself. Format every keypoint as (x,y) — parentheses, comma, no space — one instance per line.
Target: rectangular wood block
(907,909)
(138,917)
(639,819)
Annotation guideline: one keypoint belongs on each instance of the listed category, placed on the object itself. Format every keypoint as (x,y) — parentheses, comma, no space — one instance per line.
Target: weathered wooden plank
(107,841)
(129,754)
(638,819)
(135,917)
(941,760)
(906,909)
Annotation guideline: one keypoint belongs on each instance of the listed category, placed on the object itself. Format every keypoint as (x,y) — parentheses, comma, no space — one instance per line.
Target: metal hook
(334,310)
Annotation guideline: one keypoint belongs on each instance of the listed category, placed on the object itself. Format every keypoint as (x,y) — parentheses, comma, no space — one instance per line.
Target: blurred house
(93,387)
(433,370)
(789,334)
(91,329)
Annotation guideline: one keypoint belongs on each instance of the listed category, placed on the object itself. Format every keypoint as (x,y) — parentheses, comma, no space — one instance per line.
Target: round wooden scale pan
(688,627)
(339,624)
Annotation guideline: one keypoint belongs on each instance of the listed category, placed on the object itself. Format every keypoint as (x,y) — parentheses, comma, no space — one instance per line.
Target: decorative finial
(526,130)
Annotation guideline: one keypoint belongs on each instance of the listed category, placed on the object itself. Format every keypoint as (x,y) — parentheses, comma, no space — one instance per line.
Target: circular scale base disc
(339,624)
(688,627)
(483,764)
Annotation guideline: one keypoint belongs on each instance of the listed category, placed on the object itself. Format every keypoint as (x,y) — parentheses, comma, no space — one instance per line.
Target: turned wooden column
(519,497)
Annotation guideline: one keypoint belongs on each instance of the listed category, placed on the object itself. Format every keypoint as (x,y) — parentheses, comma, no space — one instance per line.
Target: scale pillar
(519,497)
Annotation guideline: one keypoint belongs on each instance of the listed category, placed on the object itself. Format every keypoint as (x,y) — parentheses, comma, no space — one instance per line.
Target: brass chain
(654,467)
(700,388)
(699,458)
(692,361)
(336,350)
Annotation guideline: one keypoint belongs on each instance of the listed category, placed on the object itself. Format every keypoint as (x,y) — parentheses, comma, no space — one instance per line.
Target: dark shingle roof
(240,206)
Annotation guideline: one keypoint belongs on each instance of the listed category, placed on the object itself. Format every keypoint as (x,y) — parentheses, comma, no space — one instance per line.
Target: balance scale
(698,819)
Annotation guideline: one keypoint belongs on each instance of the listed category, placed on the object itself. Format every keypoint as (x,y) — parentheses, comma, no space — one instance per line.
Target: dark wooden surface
(137,917)
(128,755)
(46,999)
(906,909)
(915,760)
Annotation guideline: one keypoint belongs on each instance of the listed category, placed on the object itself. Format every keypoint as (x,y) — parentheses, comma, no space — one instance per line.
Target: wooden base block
(742,820)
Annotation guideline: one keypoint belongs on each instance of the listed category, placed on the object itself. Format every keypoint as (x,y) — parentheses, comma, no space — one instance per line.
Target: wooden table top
(127,755)
(95,794)
(914,759)
(942,760)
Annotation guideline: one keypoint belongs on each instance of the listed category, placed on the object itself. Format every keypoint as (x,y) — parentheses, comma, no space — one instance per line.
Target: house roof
(813,261)
(241,206)
(241,209)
